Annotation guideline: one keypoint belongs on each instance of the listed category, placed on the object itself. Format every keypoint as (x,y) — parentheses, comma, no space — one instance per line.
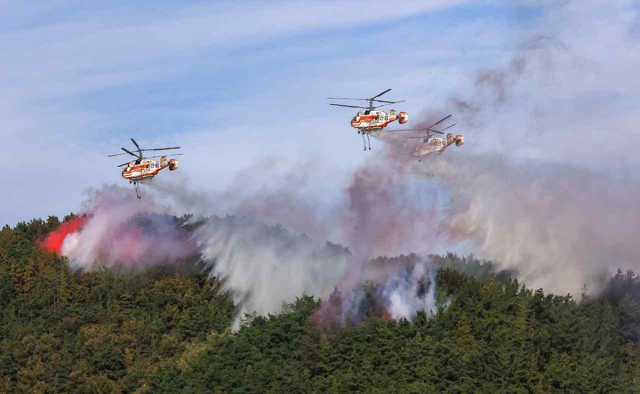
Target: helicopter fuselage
(437,144)
(373,120)
(139,170)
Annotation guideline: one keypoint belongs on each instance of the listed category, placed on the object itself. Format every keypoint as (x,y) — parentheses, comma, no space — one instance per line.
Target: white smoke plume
(388,289)
(265,266)
(411,291)
(559,227)
(271,251)
(121,232)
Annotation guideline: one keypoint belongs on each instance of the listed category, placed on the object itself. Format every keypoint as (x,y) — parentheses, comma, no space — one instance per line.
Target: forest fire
(54,240)
(398,289)
(115,232)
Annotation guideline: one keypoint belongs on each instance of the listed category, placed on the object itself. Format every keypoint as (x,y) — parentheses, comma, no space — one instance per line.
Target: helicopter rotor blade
(425,130)
(131,153)
(444,128)
(384,105)
(389,102)
(117,154)
(135,143)
(346,98)
(173,154)
(368,99)
(364,99)
(173,147)
(440,121)
(349,106)
(398,130)
(439,131)
(380,94)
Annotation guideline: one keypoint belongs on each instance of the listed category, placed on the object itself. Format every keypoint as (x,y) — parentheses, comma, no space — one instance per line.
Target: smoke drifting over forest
(263,266)
(120,233)
(557,226)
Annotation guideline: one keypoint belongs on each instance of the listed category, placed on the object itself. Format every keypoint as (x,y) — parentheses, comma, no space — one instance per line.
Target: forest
(168,329)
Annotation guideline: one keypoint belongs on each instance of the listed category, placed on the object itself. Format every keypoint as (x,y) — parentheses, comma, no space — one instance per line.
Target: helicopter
(431,143)
(371,119)
(144,168)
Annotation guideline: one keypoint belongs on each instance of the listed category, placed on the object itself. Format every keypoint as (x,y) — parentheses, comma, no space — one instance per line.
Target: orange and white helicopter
(432,144)
(143,168)
(370,119)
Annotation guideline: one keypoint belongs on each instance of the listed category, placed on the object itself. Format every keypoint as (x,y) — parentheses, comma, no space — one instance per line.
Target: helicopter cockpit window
(367,112)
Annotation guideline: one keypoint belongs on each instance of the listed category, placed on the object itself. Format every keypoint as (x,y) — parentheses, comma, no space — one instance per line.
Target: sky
(236,83)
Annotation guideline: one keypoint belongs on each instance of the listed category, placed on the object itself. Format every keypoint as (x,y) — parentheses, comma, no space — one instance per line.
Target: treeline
(168,329)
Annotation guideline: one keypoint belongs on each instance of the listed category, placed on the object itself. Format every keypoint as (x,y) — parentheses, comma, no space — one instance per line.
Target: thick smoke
(559,227)
(411,291)
(262,265)
(385,209)
(267,191)
(265,266)
(398,288)
(390,211)
(121,232)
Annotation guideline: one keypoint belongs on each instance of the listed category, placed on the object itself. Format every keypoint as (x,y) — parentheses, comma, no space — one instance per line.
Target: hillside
(168,328)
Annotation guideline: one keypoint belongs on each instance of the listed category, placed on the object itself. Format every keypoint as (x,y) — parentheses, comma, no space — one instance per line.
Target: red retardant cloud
(53,241)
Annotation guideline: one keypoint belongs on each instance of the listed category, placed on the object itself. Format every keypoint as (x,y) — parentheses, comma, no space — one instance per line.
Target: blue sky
(232,82)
